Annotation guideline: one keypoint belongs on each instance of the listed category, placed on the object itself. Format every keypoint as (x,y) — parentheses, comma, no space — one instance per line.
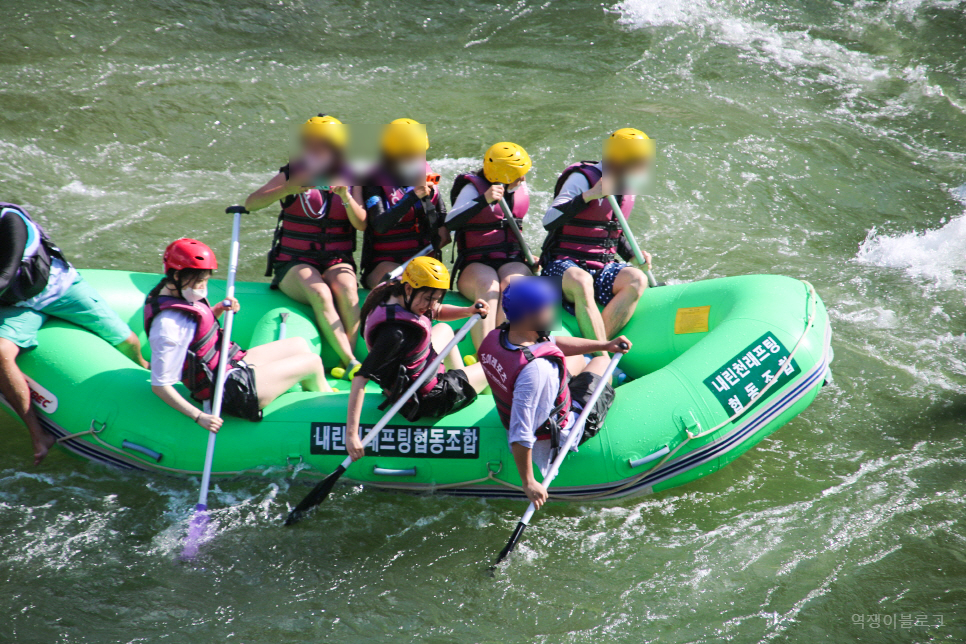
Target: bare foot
(42,445)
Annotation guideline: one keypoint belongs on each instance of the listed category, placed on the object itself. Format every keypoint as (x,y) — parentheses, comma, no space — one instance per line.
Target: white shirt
(575,185)
(170,337)
(534,394)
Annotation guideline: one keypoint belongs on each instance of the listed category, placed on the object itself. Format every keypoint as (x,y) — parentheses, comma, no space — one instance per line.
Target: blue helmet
(528,295)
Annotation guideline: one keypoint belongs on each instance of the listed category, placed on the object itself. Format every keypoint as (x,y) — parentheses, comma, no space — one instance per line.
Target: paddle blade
(511,544)
(315,497)
(196,532)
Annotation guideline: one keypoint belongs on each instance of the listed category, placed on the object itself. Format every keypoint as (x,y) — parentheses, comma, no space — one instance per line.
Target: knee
(322,293)
(579,283)
(302,345)
(636,281)
(8,350)
(347,293)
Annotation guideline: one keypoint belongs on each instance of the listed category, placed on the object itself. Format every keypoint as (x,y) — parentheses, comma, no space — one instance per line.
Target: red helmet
(189,253)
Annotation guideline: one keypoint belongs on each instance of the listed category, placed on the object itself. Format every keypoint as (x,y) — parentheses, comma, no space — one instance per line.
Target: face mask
(638,182)
(194,294)
(412,171)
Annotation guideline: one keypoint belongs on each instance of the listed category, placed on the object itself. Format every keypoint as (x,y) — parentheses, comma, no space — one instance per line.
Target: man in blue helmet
(540,383)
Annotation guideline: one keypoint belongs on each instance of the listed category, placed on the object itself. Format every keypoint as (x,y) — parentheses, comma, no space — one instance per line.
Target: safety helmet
(628,145)
(189,253)
(404,138)
(325,128)
(426,272)
(528,295)
(505,162)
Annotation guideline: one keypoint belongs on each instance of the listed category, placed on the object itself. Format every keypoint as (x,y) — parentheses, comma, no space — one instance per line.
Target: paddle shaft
(396,272)
(528,258)
(282,331)
(222,358)
(322,489)
(575,433)
(638,255)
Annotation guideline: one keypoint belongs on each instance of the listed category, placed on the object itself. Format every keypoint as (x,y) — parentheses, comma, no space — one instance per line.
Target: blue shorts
(80,304)
(603,279)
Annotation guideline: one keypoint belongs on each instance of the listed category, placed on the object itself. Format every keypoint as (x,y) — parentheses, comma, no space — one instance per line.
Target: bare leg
(345,290)
(442,334)
(474,373)
(628,287)
(578,287)
(598,365)
(303,283)
(380,271)
(14,387)
(279,365)
(480,282)
(508,273)
(131,347)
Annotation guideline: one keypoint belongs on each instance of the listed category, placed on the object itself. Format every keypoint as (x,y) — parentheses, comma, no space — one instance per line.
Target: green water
(822,140)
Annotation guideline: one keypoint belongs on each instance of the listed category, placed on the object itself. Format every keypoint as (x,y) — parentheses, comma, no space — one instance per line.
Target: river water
(822,140)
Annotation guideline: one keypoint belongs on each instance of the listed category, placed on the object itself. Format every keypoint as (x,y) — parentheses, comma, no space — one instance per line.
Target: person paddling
(397,324)
(37,282)
(311,256)
(584,238)
(185,339)
(404,213)
(530,373)
(488,254)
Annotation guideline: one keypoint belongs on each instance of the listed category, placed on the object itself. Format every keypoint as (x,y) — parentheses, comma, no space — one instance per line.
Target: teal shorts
(81,304)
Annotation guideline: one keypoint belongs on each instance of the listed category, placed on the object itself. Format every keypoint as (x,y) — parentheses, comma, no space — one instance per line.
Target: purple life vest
(416,360)
(591,237)
(201,361)
(486,235)
(409,235)
(503,363)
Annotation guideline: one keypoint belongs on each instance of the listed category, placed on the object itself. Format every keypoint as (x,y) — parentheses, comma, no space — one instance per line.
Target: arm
(534,490)
(569,203)
(352,198)
(578,346)
(176,401)
(448,312)
(469,202)
(357,396)
(13,241)
(220,308)
(533,397)
(377,216)
(278,187)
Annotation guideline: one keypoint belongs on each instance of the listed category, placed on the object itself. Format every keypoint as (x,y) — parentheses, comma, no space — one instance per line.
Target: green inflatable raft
(717,365)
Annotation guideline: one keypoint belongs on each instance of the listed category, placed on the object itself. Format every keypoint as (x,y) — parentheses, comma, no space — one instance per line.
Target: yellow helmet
(426,272)
(505,162)
(404,138)
(628,145)
(325,128)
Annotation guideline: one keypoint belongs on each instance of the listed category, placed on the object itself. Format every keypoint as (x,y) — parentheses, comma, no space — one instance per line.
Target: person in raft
(397,324)
(584,237)
(530,373)
(488,254)
(315,237)
(36,282)
(185,339)
(404,213)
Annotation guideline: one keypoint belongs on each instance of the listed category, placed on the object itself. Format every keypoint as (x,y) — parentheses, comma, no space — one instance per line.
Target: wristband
(198,416)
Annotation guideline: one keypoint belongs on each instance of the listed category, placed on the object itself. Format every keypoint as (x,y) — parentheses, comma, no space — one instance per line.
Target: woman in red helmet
(185,340)
(311,255)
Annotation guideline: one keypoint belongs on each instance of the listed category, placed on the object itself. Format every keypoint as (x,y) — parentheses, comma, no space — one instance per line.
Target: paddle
(322,489)
(638,255)
(199,522)
(575,433)
(528,258)
(396,272)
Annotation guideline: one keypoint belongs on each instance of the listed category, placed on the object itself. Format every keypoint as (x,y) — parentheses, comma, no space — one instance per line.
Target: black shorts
(581,389)
(241,398)
(495,264)
(281,269)
(451,393)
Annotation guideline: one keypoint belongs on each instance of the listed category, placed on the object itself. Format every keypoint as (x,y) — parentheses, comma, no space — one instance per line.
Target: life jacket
(201,361)
(34,270)
(415,361)
(591,237)
(487,235)
(312,227)
(502,364)
(412,233)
